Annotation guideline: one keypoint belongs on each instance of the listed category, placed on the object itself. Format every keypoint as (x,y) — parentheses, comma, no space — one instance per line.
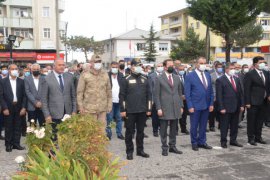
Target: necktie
(233,84)
(203,81)
(261,73)
(170,81)
(61,83)
(182,79)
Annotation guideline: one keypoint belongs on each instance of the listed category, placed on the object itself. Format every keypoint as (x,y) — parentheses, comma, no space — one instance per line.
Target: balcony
(179,22)
(175,34)
(266,28)
(26,3)
(21,23)
(61,5)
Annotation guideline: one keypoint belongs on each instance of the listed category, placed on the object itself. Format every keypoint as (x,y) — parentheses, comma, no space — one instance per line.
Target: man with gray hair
(33,90)
(58,95)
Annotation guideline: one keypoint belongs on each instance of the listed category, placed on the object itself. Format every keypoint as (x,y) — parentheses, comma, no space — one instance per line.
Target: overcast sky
(100,18)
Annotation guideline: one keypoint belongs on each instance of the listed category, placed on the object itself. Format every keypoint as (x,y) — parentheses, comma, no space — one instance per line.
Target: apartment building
(35,20)
(176,24)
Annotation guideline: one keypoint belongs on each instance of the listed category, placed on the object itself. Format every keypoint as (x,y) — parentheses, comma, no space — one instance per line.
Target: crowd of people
(221,95)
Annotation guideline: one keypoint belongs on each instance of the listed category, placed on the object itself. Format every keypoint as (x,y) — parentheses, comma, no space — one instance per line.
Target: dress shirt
(167,74)
(199,73)
(57,77)
(13,83)
(36,81)
(115,89)
(259,72)
(229,77)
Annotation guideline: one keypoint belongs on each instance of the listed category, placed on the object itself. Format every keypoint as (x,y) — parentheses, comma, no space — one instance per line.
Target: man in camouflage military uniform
(135,104)
(94,92)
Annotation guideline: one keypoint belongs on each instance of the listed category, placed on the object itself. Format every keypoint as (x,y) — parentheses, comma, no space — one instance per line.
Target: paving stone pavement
(249,162)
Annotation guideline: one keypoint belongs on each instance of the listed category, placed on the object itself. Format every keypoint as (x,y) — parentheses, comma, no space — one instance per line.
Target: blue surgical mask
(27,74)
(181,73)
(220,70)
(5,72)
(138,70)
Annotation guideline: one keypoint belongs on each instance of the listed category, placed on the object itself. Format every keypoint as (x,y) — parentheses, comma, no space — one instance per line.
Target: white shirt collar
(10,78)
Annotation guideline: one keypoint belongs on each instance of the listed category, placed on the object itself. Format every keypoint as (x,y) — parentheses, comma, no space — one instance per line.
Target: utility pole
(57,29)
(66,54)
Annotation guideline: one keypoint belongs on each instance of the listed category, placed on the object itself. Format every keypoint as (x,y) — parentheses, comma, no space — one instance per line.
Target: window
(140,46)
(249,49)
(192,25)
(163,46)
(22,32)
(165,21)
(47,33)
(265,22)
(236,49)
(20,12)
(258,49)
(266,36)
(175,19)
(46,12)
(197,25)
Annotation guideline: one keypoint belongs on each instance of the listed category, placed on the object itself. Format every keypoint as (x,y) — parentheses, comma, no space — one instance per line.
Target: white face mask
(114,70)
(261,66)
(97,66)
(160,69)
(129,66)
(202,67)
(66,70)
(246,70)
(232,72)
(14,73)
(138,69)
(49,71)
(46,73)
(266,68)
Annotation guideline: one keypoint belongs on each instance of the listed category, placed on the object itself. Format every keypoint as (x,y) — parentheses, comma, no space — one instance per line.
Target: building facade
(177,23)
(131,45)
(35,20)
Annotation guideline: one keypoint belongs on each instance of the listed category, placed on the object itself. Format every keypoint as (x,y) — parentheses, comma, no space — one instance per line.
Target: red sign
(48,56)
(18,55)
(265,49)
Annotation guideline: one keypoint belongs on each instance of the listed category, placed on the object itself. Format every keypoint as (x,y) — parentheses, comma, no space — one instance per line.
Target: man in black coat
(14,107)
(257,95)
(230,102)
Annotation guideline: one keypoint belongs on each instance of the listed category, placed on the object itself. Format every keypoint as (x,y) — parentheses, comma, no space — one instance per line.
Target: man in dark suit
(200,97)
(257,95)
(14,107)
(152,80)
(169,105)
(58,95)
(230,101)
(115,80)
(33,84)
(183,119)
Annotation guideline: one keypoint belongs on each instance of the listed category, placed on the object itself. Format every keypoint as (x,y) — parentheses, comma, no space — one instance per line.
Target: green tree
(266,6)
(150,52)
(225,16)
(190,48)
(247,35)
(85,45)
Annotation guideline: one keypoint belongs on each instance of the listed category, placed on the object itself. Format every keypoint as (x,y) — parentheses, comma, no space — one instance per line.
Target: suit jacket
(33,95)
(241,78)
(8,96)
(255,89)
(55,102)
(183,83)
(214,77)
(119,77)
(151,81)
(168,99)
(226,96)
(197,96)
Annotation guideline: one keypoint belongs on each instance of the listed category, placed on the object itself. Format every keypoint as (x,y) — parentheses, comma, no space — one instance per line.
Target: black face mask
(35,73)
(81,70)
(122,66)
(170,70)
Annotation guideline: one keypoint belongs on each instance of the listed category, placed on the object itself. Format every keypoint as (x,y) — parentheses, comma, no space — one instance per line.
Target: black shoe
(129,156)
(145,136)
(205,146)
(224,145)
(121,137)
(2,138)
(24,134)
(252,142)
(236,144)
(164,153)
(175,150)
(207,130)
(261,141)
(9,148)
(143,154)
(185,132)
(212,129)
(195,148)
(18,147)
(155,134)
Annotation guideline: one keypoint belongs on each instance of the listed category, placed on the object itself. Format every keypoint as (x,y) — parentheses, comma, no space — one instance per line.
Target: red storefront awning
(17,55)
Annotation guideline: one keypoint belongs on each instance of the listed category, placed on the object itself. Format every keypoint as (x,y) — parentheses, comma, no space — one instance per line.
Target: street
(250,162)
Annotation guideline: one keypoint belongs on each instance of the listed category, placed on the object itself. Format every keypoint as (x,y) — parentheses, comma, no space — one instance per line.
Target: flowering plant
(21,161)
(39,136)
